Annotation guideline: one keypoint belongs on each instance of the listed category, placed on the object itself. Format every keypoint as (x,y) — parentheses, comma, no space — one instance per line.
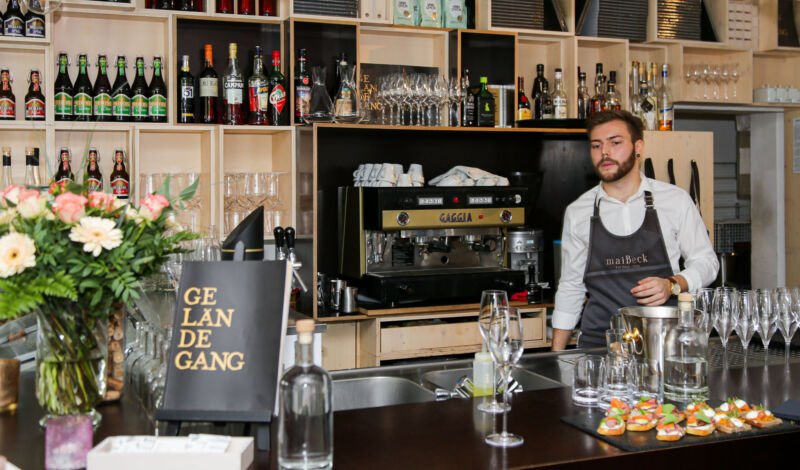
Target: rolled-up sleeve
(571,292)
(700,261)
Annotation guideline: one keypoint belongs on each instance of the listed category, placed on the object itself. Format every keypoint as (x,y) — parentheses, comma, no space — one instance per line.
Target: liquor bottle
(544,103)
(598,100)
(583,96)
(186,100)
(258,91)
(157,101)
(646,108)
(652,75)
(612,98)
(523,104)
(34,22)
(305,416)
(633,84)
(232,86)
(165,5)
(302,88)
(32,177)
(63,90)
(247,7)
(120,181)
(121,93)
(7,179)
(82,99)
(267,7)
(225,6)
(102,91)
(92,176)
(468,108)
(139,94)
(64,173)
(539,81)
(34,100)
(559,98)
(13,21)
(665,110)
(685,357)
(484,106)
(8,110)
(209,90)
(187,5)
(278,111)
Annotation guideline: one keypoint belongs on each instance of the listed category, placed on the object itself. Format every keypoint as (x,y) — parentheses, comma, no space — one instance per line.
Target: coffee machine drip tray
(438,286)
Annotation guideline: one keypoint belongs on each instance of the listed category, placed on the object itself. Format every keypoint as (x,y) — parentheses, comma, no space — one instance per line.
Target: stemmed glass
(725,76)
(505,346)
(716,77)
(705,70)
(455,96)
(785,317)
(490,301)
(723,308)
(697,76)
(766,318)
(747,321)
(734,72)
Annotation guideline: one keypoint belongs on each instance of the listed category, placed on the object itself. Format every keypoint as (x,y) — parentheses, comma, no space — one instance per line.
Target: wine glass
(505,346)
(705,70)
(734,72)
(697,76)
(747,321)
(491,300)
(723,309)
(716,78)
(725,76)
(785,317)
(766,319)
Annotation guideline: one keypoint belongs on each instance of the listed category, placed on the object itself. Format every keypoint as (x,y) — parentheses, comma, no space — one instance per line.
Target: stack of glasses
(245,192)
(189,216)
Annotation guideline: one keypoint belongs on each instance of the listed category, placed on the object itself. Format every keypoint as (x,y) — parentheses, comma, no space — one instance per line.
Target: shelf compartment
(20,58)
(99,5)
(552,53)
(716,56)
(717,12)
(486,54)
(485,22)
(422,47)
(105,139)
(18,138)
(613,54)
(776,69)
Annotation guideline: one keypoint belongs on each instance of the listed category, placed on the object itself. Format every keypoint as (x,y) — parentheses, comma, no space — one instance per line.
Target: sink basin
(371,392)
(530,381)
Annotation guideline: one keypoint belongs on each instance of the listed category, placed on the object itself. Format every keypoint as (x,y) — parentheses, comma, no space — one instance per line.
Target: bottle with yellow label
(523,103)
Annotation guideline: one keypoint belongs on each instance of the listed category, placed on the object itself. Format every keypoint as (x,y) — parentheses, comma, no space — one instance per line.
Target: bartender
(622,239)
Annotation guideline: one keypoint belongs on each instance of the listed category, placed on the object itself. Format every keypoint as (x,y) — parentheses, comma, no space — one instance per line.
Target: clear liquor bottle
(32,177)
(665,110)
(597,103)
(583,96)
(646,109)
(612,101)
(305,418)
(559,98)
(685,357)
(7,180)
(232,86)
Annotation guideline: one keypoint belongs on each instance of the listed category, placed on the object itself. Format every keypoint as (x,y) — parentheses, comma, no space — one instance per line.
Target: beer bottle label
(157,105)
(121,105)
(302,101)
(14,27)
(63,102)
(95,184)
(139,106)
(82,105)
(120,187)
(34,109)
(277,98)
(6,108)
(65,179)
(233,91)
(34,28)
(102,105)
(208,87)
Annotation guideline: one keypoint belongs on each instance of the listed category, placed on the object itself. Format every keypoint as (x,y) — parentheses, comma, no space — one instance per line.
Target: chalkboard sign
(227,340)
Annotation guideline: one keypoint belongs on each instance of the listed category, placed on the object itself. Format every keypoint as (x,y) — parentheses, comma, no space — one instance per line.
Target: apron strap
(648,200)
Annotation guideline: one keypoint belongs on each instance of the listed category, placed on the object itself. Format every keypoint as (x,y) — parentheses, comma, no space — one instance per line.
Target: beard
(622,168)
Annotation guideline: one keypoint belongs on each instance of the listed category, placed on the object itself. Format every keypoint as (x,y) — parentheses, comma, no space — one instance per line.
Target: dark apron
(614,265)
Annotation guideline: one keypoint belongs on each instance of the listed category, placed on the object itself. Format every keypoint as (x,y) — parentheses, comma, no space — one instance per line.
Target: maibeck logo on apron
(627,261)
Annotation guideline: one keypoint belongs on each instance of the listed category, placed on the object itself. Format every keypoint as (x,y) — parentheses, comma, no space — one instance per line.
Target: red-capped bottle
(247,7)
(8,110)
(267,8)
(225,6)
(278,109)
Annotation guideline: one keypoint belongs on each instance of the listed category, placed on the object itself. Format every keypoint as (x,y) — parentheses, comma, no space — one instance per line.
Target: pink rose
(11,194)
(31,203)
(152,205)
(69,207)
(100,200)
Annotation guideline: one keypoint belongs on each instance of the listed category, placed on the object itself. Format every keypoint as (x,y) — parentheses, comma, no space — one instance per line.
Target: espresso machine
(525,248)
(405,246)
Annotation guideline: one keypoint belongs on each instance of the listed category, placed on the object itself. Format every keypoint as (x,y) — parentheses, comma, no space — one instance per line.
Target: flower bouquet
(68,255)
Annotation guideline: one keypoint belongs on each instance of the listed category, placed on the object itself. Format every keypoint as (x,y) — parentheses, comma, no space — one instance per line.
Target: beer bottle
(186,100)
(34,22)
(93,177)
(157,101)
(32,178)
(7,100)
(278,111)
(302,88)
(13,21)
(82,101)
(63,90)
(258,91)
(34,100)
(209,90)
(120,181)
(7,180)
(139,94)
(102,91)
(64,173)
(121,93)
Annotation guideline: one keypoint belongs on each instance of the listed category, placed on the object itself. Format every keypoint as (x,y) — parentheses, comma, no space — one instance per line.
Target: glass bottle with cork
(523,104)
(686,357)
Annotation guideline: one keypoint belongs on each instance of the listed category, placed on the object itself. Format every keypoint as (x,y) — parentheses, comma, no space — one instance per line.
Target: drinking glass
(784,316)
(702,301)
(586,380)
(616,344)
(766,317)
(648,381)
(618,379)
(505,345)
(747,321)
(722,308)
(490,301)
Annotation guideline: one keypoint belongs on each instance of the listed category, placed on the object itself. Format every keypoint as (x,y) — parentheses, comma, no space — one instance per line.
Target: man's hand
(652,291)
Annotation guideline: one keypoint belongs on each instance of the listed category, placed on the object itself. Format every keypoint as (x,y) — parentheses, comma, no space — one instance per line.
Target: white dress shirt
(681,226)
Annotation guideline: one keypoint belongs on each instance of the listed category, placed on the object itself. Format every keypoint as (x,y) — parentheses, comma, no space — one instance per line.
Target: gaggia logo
(449,218)
(278,98)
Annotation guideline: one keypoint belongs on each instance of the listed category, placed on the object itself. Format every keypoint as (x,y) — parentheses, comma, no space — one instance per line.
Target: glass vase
(71,349)
(321,106)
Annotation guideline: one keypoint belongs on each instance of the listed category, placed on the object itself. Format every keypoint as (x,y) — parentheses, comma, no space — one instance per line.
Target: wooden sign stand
(227,344)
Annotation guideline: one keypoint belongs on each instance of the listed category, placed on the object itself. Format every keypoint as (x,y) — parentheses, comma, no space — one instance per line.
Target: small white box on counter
(238,456)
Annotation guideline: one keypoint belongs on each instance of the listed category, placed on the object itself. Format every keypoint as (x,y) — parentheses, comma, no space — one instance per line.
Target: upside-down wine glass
(490,301)
(505,346)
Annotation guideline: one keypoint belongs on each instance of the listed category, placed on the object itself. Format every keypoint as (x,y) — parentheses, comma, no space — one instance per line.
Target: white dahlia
(96,233)
(17,252)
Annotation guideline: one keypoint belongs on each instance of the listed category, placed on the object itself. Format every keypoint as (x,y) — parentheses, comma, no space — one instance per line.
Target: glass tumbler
(586,380)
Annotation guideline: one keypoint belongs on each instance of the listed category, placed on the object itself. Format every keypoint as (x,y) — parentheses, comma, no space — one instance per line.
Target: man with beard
(622,239)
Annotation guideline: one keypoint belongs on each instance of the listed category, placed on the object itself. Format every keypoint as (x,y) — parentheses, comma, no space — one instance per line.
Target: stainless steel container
(646,328)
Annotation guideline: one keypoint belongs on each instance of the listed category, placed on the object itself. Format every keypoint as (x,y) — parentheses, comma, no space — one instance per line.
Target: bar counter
(450,434)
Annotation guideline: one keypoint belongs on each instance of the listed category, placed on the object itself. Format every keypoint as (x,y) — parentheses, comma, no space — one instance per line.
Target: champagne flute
(491,300)
(766,319)
(505,346)
(784,316)
(703,298)
(723,306)
(747,322)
